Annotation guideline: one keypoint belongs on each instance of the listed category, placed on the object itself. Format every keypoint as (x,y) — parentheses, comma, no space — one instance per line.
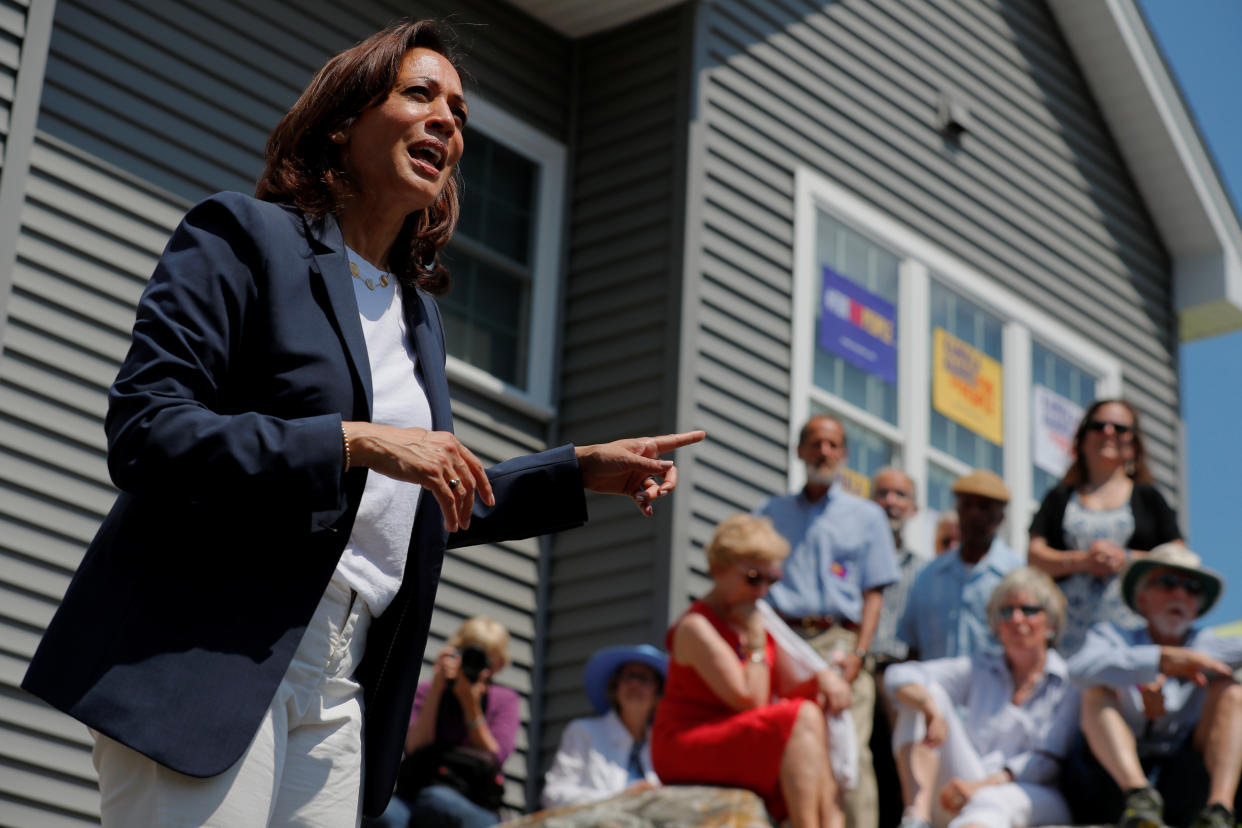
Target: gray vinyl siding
(1037,198)
(147,107)
(620,337)
(12,30)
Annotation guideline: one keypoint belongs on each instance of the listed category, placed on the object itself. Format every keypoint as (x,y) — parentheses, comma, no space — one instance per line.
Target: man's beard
(1173,628)
(818,477)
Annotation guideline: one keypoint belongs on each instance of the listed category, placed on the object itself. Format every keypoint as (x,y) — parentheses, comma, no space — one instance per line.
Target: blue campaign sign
(858,326)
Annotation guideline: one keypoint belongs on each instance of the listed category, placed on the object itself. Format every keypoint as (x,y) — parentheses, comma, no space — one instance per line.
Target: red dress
(697,739)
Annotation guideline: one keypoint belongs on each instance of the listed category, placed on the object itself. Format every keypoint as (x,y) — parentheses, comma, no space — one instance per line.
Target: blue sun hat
(607,661)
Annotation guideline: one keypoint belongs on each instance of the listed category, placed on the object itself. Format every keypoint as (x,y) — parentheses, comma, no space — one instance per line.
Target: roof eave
(1171,164)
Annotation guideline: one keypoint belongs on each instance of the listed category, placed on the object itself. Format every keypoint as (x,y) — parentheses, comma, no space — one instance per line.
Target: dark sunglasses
(640,676)
(1169,581)
(1028,610)
(754,577)
(1118,429)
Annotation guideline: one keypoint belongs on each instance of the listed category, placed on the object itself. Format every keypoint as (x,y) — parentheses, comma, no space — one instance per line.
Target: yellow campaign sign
(854,483)
(966,386)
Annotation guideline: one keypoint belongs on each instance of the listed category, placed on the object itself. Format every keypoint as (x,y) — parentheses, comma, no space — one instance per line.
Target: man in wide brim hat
(1159,703)
(1177,557)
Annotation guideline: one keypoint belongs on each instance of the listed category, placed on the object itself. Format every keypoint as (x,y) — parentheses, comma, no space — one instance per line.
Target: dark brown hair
(1137,468)
(303,165)
(614,684)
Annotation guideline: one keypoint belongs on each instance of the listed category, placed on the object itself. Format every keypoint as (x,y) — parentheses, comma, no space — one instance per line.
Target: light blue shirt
(1032,739)
(840,545)
(946,612)
(1125,658)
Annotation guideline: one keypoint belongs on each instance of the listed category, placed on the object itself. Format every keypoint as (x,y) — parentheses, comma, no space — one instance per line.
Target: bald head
(894,491)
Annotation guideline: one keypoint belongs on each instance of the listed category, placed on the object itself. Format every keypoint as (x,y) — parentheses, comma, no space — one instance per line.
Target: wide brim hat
(605,662)
(1172,556)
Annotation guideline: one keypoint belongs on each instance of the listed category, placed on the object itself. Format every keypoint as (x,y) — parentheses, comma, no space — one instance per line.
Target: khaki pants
(861,804)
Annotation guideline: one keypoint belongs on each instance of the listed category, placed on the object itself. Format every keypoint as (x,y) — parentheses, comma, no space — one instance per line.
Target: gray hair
(1047,594)
(896,470)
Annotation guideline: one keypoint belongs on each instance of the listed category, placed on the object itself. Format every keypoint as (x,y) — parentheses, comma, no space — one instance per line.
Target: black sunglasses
(1170,581)
(1028,610)
(754,577)
(1100,425)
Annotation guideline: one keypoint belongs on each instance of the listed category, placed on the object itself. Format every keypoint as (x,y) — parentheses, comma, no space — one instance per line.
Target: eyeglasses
(1028,610)
(1118,429)
(754,577)
(1170,581)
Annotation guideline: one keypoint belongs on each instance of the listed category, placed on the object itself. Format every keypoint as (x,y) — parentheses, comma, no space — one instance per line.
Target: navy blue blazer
(224,437)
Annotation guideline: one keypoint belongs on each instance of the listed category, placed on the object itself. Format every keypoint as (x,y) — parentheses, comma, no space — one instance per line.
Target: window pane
(487,312)
(875,270)
(498,197)
(940,488)
(974,434)
(486,317)
(1062,391)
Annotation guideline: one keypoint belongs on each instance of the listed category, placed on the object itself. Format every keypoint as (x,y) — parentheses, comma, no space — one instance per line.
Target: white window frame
(549,157)
(920,259)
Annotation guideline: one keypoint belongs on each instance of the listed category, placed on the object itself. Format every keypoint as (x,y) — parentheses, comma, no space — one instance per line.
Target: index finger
(668,442)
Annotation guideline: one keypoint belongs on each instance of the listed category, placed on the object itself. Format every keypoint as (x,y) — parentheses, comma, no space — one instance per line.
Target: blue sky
(1200,40)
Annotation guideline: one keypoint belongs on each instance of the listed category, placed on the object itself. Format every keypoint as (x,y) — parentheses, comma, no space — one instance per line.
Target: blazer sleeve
(535,495)
(173,427)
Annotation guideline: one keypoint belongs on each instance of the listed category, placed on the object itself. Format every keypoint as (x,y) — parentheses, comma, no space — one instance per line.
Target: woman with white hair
(979,739)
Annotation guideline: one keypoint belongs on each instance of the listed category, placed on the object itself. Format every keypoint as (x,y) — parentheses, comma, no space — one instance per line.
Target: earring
(338,136)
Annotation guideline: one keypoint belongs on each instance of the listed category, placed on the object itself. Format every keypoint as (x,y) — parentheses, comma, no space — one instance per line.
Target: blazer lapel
(330,265)
(422,319)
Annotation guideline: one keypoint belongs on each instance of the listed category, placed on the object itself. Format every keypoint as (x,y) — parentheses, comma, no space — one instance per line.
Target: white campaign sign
(1054,420)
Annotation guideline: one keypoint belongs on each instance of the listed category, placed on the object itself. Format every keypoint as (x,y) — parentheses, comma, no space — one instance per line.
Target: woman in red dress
(731,714)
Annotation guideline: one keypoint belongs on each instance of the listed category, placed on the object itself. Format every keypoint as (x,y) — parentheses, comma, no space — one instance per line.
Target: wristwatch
(757,656)
(861,653)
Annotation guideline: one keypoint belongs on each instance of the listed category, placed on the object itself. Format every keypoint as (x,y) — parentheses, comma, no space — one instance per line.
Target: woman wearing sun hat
(1161,714)
(604,755)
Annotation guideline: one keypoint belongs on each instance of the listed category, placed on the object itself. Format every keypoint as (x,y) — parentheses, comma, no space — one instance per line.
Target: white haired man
(1161,713)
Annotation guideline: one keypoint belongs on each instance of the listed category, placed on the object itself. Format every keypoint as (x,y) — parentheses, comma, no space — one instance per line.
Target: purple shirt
(503,715)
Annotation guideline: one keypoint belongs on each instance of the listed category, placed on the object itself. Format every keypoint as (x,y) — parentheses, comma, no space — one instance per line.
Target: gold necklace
(368,281)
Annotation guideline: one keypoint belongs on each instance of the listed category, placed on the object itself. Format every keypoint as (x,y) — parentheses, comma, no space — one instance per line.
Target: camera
(473,662)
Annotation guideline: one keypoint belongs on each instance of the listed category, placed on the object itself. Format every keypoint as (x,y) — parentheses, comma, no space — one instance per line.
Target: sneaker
(1144,808)
(1215,816)
(912,821)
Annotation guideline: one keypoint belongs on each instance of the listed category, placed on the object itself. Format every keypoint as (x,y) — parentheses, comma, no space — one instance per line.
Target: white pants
(304,765)
(1011,805)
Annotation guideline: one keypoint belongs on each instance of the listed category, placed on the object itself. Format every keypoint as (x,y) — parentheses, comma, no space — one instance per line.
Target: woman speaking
(281,434)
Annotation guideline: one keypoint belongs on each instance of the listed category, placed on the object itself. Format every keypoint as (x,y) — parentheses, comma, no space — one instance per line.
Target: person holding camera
(462,729)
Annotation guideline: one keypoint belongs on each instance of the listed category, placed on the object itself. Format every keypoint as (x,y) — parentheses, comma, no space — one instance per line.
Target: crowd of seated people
(1077,689)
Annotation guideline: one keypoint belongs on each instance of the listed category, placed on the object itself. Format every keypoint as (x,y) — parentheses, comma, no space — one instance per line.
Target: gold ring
(454,483)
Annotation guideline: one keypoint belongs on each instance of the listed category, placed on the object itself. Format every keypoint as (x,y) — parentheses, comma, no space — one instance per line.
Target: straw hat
(1173,556)
(983,483)
(607,661)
